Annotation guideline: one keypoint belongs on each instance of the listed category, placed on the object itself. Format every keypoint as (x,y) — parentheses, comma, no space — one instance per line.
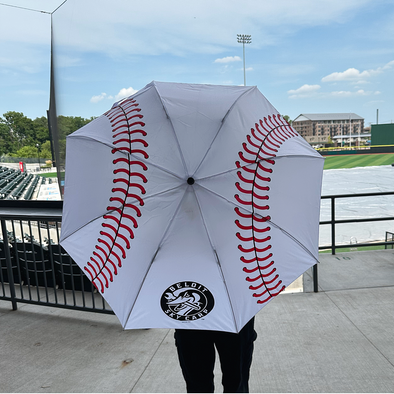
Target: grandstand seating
(68,274)
(3,266)
(6,190)
(15,184)
(18,191)
(30,190)
(35,264)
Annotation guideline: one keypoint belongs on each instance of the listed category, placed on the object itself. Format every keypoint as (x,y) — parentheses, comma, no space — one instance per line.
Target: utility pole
(244,39)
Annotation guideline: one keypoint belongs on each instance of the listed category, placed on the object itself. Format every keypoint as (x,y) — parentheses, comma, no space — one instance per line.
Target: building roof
(317,117)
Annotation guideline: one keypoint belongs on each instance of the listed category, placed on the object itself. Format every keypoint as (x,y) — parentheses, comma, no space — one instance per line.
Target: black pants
(196,352)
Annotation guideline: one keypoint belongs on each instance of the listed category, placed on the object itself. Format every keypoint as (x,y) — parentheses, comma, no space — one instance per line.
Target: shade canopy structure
(191,206)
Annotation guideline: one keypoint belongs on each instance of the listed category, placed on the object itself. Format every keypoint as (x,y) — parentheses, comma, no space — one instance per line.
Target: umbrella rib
(173,129)
(268,221)
(217,258)
(100,216)
(84,137)
(154,256)
(145,161)
(258,161)
(221,125)
(294,239)
(142,283)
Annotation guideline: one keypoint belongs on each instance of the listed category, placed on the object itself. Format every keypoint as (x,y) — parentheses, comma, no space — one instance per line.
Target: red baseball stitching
(117,229)
(261,148)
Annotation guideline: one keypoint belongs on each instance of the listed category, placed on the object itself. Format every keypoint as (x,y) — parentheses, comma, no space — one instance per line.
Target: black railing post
(7,255)
(315,279)
(389,234)
(332,225)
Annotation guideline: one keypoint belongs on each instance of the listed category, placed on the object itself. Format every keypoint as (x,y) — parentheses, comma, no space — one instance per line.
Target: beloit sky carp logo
(187,301)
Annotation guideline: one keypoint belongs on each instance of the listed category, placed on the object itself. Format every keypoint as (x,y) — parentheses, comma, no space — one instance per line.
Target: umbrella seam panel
(115,238)
(263,143)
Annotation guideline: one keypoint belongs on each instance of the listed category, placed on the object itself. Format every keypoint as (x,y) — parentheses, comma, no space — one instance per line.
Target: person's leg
(248,336)
(235,352)
(196,355)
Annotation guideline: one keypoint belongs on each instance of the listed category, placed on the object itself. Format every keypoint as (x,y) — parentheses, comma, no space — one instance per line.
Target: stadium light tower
(244,39)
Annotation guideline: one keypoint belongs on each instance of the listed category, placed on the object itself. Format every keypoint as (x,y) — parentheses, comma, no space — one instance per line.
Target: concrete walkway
(338,340)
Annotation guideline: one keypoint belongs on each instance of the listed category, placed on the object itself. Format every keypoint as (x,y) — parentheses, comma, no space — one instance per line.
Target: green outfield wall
(382,134)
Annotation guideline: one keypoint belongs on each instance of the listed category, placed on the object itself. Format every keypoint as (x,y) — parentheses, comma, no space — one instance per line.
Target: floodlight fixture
(244,39)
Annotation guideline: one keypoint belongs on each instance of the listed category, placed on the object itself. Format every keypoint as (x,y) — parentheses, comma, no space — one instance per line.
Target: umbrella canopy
(191,206)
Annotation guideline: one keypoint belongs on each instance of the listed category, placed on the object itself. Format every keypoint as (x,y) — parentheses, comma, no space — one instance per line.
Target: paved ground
(337,340)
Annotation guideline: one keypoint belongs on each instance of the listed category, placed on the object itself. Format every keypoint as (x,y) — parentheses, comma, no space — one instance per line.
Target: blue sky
(306,56)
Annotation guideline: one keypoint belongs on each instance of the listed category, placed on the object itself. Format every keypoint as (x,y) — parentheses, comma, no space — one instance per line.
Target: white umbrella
(191,206)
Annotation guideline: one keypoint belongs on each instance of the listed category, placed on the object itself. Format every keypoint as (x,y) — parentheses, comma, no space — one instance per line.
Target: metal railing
(333,222)
(35,269)
(389,237)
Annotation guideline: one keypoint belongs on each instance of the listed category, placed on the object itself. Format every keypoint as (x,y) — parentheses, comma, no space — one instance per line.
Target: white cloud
(304,91)
(188,27)
(341,93)
(228,59)
(125,92)
(388,65)
(360,92)
(132,42)
(352,74)
(96,99)
(374,102)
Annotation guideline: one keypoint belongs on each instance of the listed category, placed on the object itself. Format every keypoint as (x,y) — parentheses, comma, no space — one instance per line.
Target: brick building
(322,128)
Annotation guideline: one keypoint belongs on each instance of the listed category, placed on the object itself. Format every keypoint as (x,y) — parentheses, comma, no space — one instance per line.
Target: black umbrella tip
(190,181)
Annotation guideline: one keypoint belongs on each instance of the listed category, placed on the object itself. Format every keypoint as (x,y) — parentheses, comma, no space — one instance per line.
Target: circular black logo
(187,301)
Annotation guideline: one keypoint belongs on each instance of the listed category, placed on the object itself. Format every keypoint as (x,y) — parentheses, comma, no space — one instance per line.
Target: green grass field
(50,174)
(351,161)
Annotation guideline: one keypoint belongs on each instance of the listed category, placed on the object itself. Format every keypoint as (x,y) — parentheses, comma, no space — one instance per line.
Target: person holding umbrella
(196,353)
(192,206)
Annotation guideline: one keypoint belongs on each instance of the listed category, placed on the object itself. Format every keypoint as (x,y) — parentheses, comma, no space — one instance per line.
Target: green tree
(20,129)
(41,130)
(26,152)
(32,151)
(17,131)
(19,135)
(69,124)
(287,118)
(46,152)
(5,139)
